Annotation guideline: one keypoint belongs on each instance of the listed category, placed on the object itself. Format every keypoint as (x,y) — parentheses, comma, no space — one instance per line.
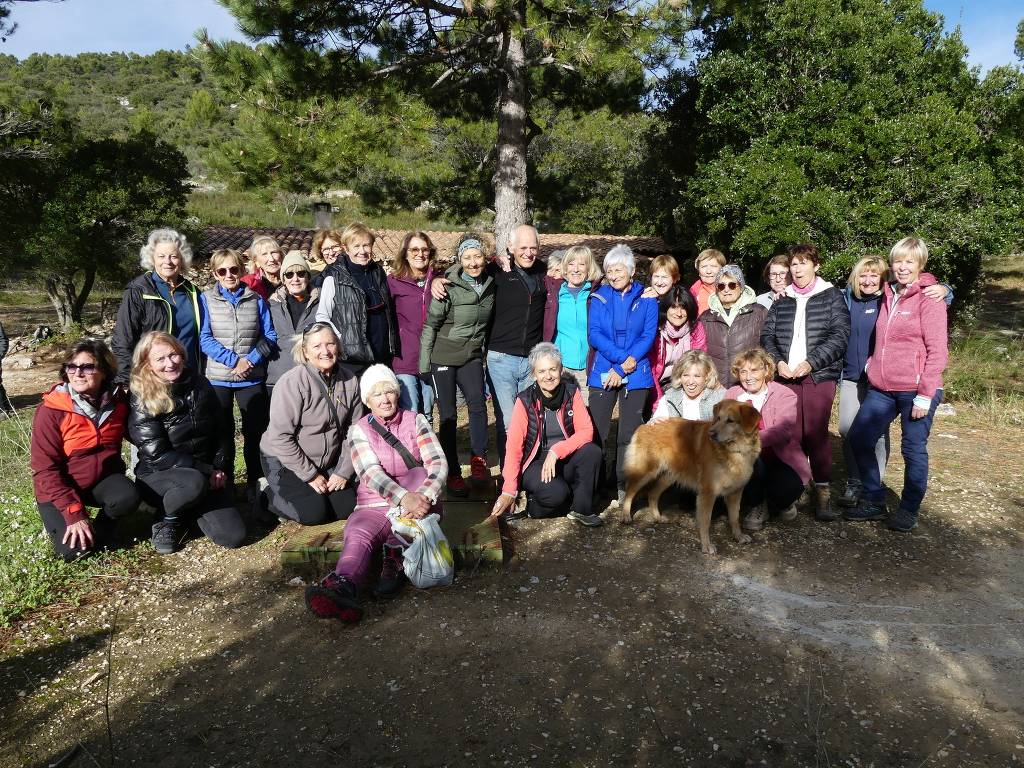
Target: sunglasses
(86,369)
(296,273)
(224,271)
(728,286)
(315,326)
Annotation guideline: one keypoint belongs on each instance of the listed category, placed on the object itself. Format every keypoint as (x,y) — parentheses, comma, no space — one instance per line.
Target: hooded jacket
(728,334)
(911,344)
(826,330)
(71,452)
(456,327)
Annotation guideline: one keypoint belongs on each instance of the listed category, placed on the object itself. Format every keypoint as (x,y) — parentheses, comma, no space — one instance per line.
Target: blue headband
(472,242)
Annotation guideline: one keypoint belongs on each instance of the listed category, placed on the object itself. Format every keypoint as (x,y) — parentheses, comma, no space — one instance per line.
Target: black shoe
(903,521)
(392,576)
(334,598)
(867,510)
(167,537)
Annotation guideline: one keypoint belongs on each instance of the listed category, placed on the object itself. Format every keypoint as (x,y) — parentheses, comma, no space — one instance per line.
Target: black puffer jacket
(188,436)
(828,332)
(143,309)
(348,313)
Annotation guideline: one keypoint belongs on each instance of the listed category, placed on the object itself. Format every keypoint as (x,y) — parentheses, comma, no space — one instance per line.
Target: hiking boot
(755,519)
(851,494)
(166,537)
(903,521)
(789,514)
(334,598)
(479,472)
(392,575)
(805,498)
(867,510)
(824,510)
(259,503)
(456,486)
(591,521)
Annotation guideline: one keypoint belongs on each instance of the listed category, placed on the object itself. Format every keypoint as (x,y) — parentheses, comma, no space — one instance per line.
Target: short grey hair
(512,239)
(158,236)
(556,258)
(621,254)
(544,349)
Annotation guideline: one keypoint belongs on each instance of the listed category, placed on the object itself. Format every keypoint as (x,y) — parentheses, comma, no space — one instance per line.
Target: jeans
(116,497)
(184,494)
(415,395)
(876,413)
(470,379)
(851,395)
(254,405)
(508,376)
(575,480)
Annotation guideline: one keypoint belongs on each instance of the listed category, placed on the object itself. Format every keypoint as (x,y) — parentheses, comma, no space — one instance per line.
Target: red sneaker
(479,472)
(334,598)
(457,486)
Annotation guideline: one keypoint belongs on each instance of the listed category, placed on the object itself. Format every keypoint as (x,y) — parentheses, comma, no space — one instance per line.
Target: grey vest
(237,328)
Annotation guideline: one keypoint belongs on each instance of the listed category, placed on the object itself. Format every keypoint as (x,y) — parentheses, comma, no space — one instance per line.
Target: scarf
(554,402)
(804,291)
(91,410)
(677,343)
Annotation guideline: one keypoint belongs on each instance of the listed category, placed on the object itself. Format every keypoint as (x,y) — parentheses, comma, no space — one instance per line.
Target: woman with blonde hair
(904,380)
(694,391)
(581,276)
(708,264)
(238,338)
(182,469)
(356,301)
(267,257)
(664,275)
(326,246)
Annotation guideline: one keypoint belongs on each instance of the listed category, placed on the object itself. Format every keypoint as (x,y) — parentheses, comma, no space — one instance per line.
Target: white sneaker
(755,519)
(789,514)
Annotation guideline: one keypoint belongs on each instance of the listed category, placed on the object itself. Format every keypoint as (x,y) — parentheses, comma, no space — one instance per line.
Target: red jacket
(702,293)
(911,349)
(778,427)
(516,448)
(259,284)
(71,453)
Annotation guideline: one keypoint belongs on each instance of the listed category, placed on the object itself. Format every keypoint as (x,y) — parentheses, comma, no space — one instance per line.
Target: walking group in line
(336,374)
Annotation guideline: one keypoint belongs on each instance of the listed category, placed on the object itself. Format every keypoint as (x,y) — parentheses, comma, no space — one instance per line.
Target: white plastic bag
(427,560)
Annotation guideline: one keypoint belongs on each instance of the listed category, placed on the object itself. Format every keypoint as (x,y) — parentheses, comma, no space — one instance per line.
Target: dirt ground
(818,645)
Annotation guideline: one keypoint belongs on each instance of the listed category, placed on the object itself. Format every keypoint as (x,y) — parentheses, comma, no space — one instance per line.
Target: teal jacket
(456,328)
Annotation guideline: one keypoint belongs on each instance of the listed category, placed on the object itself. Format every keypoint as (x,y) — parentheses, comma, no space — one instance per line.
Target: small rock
(296,582)
(945,409)
(19,362)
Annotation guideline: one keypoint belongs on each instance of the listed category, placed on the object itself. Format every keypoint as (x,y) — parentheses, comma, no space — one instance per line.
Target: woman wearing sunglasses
(732,322)
(76,452)
(292,307)
(238,338)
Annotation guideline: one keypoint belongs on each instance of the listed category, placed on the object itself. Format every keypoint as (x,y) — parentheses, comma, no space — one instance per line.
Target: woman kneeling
(400,464)
(695,389)
(76,452)
(550,445)
(182,465)
(781,471)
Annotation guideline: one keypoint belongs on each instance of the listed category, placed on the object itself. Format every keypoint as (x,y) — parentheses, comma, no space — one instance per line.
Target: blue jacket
(571,325)
(622,326)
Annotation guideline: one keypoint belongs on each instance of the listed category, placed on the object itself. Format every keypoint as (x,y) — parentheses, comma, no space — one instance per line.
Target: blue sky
(989,26)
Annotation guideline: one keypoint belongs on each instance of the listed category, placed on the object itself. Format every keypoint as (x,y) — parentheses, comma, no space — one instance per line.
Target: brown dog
(712,458)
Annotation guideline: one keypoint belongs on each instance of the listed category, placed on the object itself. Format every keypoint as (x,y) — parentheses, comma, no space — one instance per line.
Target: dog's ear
(717,407)
(750,417)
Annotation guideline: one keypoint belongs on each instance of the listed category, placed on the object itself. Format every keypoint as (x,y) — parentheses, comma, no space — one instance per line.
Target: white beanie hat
(373,376)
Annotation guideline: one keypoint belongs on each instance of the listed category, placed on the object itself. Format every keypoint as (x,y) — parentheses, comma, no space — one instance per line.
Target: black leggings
(292,498)
(470,379)
(183,494)
(254,405)
(774,482)
(632,405)
(116,496)
(575,479)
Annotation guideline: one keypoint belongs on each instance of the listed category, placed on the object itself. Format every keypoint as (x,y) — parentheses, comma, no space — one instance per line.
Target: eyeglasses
(224,271)
(728,286)
(297,273)
(86,369)
(330,249)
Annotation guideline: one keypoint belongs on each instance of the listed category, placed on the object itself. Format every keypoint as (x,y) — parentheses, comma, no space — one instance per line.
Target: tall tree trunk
(509,178)
(69,302)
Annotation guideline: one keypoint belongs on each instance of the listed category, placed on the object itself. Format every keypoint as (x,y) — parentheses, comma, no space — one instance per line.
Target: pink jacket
(696,340)
(911,349)
(778,427)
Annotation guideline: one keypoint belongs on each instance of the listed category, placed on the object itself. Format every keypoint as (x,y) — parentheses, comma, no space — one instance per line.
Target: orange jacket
(71,453)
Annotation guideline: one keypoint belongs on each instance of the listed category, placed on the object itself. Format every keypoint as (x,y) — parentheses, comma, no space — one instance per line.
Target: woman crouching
(399,463)
(550,446)
(182,469)
(781,471)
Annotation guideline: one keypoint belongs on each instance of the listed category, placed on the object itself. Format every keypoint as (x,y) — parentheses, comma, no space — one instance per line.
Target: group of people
(335,376)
